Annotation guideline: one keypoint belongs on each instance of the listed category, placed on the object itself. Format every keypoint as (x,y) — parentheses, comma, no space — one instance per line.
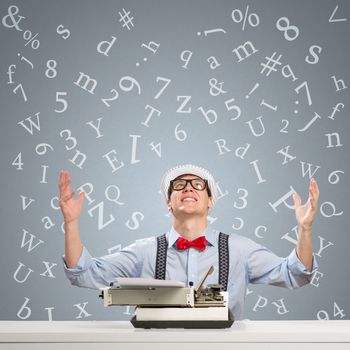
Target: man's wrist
(305,232)
(70,225)
(305,227)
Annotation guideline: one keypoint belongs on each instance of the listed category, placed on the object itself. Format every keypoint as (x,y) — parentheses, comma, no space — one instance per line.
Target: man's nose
(188,187)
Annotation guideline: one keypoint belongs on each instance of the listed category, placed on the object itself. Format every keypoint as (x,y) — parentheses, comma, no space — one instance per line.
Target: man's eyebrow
(195,176)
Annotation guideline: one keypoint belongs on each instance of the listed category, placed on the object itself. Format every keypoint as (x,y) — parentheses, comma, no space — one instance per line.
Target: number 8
(287,28)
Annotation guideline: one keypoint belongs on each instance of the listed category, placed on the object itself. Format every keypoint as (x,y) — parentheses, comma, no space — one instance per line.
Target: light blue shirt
(249,262)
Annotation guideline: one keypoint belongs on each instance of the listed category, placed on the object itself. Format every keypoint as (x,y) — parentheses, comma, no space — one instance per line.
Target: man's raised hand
(306,213)
(70,207)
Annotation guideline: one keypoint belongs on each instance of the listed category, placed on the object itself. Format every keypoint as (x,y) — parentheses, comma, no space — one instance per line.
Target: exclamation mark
(252,90)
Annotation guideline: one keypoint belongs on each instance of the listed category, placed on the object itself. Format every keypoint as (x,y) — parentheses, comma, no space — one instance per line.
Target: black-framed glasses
(179,184)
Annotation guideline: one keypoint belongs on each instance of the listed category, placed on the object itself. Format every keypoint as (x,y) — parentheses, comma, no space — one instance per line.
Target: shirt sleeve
(95,273)
(265,267)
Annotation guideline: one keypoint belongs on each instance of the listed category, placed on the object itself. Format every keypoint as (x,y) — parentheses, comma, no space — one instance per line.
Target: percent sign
(253,18)
(29,38)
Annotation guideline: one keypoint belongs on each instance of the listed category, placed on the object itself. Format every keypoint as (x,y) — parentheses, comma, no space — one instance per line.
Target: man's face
(189,201)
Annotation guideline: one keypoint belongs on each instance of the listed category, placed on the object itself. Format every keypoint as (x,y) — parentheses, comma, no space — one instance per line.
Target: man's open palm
(70,207)
(306,213)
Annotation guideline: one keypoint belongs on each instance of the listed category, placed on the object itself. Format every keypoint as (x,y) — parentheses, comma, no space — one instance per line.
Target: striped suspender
(224,260)
(162,247)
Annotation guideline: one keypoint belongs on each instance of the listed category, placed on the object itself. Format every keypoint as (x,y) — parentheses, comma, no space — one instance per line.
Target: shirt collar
(210,235)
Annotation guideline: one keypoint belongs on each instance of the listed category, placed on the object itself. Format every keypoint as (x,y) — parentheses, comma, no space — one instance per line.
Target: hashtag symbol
(270,64)
(126,19)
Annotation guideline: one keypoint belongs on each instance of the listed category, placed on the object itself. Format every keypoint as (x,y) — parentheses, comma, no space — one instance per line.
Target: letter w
(29,241)
(308,170)
(31,123)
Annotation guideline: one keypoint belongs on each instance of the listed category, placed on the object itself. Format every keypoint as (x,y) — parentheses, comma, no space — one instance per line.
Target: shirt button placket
(192,271)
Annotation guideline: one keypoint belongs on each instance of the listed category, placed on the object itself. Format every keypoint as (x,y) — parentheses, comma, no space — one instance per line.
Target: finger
(66,185)
(317,191)
(62,185)
(297,200)
(314,185)
(313,201)
(61,179)
(67,197)
(81,198)
(311,192)
(314,191)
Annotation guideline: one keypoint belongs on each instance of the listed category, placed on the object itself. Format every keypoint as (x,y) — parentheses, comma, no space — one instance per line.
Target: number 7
(22,90)
(304,84)
(167,82)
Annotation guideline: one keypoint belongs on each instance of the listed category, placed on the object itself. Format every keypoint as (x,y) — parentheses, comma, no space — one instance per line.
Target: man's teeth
(188,200)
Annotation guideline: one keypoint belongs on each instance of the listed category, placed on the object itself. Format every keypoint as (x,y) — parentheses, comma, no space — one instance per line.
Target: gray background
(174,25)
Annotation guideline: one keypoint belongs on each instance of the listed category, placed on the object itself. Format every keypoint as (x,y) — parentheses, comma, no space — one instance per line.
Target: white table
(114,335)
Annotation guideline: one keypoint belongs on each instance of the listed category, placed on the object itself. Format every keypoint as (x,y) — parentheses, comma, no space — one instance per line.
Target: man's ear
(210,203)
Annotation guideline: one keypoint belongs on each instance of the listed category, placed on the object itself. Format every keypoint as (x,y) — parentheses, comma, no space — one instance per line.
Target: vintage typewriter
(171,304)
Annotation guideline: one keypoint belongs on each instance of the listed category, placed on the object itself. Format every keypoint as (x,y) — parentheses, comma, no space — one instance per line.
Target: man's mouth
(189,199)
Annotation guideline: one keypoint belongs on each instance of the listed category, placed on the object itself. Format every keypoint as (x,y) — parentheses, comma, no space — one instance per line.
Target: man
(190,247)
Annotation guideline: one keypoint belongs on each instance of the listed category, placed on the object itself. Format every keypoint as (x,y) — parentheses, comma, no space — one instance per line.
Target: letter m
(243,48)
(84,80)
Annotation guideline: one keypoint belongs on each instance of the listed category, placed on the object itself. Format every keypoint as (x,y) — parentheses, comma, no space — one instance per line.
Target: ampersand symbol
(12,12)
(217,87)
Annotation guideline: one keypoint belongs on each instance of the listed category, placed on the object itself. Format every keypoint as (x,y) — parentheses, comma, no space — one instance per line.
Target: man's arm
(71,210)
(305,215)
(304,247)
(72,244)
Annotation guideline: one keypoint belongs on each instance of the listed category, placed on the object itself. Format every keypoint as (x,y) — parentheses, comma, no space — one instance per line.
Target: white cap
(179,170)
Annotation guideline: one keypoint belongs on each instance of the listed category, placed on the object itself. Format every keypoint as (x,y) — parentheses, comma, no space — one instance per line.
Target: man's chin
(188,211)
(189,206)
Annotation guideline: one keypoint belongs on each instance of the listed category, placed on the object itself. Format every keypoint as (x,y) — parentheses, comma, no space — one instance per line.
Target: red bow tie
(199,243)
